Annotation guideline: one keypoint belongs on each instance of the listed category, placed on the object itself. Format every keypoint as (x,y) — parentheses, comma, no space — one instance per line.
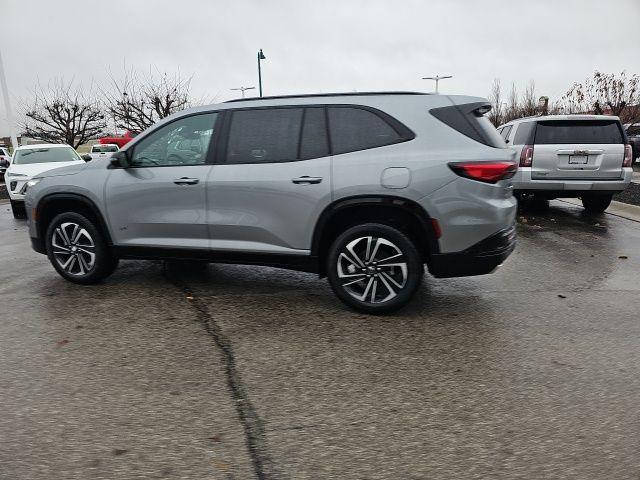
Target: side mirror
(121,159)
(86,157)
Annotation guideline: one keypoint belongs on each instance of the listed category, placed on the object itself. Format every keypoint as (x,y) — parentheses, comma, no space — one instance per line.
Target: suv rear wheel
(593,203)
(374,268)
(77,249)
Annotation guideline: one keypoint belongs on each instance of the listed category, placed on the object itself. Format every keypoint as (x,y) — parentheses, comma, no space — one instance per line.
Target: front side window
(45,155)
(182,142)
(355,129)
(264,135)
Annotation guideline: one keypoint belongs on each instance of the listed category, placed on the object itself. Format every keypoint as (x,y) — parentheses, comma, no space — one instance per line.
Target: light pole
(437,78)
(260,57)
(243,89)
(7,106)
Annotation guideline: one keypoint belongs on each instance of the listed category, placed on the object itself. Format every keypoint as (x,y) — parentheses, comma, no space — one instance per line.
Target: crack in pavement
(263,465)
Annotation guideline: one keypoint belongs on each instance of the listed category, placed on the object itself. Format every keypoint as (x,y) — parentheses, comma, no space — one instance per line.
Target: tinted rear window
(583,131)
(104,148)
(355,129)
(314,142)
(468,120)
(264,135)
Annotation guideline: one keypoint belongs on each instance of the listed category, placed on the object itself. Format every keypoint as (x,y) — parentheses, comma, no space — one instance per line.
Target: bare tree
(605,93)
(529,106)
(138,101)
(495,97)
(63,112)
(513,107)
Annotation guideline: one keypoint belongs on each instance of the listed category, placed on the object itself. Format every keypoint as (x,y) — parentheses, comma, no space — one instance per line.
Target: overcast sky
(319,46)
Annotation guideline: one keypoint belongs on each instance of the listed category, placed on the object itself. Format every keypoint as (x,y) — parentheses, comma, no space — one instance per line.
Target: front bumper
(15,187)
(479,259)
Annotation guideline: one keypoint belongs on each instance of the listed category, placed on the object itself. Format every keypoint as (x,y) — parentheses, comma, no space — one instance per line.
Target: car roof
(324,95)
(292,100)
(42,145)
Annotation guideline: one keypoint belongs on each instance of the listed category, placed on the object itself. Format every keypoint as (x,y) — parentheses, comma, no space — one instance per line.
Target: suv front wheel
(77,250)
(374,268)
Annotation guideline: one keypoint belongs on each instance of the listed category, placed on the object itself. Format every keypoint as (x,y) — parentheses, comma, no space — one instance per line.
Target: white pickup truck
(105,150)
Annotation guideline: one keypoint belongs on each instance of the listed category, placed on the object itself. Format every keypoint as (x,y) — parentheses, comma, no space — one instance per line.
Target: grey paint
(258,207)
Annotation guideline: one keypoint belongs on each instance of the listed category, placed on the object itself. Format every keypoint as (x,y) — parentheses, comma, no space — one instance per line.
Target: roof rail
(312,95)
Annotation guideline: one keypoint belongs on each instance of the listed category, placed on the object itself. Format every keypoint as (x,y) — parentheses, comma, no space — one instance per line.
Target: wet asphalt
(236,372)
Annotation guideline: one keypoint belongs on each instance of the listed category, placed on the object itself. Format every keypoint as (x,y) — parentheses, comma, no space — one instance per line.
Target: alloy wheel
(73,248)
(372,269)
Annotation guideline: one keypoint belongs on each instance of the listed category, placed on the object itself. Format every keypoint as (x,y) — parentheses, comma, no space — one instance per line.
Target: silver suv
(584,156)
(362,188)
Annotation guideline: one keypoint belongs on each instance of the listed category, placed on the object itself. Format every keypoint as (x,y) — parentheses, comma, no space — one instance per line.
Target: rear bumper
(522,182)
(479,259)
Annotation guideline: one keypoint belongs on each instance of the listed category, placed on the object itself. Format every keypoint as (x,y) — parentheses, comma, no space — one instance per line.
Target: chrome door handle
(306,179)
(186,181)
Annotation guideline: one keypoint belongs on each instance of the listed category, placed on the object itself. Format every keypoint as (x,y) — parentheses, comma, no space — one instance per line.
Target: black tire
(408,279)
(539,203)
(104,263)
(18,209)
(594,203)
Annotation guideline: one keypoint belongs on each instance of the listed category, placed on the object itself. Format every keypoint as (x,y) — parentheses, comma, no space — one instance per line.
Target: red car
(121,141)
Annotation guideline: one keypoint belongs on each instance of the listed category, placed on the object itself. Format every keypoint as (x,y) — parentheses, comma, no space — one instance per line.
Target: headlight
(31,183)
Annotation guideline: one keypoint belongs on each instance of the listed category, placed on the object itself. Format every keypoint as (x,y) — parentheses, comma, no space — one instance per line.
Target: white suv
(585,156)
(30,161)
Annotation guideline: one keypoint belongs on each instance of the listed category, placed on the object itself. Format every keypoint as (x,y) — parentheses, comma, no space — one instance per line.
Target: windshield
(45,155)
(104,148)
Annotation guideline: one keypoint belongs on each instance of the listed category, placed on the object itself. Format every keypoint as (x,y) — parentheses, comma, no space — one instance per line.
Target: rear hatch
(578,150)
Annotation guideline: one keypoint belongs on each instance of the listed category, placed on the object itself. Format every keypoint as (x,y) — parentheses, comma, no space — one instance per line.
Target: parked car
(102,150)
(30,161)
(4,160)
(585,156)
(120,140)
(362,188)
(633,135)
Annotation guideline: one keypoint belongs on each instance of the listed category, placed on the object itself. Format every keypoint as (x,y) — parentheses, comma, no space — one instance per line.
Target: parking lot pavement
(243,372)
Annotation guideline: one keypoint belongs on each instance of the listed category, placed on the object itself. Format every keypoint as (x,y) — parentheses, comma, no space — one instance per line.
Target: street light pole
(260,57)
(242,89)
(7,106)
(437,78)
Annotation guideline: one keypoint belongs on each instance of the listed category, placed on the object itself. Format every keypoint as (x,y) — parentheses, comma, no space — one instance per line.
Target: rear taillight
(489,172)
(628,156)
(526,156)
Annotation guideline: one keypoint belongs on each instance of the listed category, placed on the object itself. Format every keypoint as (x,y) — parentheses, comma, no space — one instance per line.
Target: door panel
(147,208)
(259,208)
(160,200)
